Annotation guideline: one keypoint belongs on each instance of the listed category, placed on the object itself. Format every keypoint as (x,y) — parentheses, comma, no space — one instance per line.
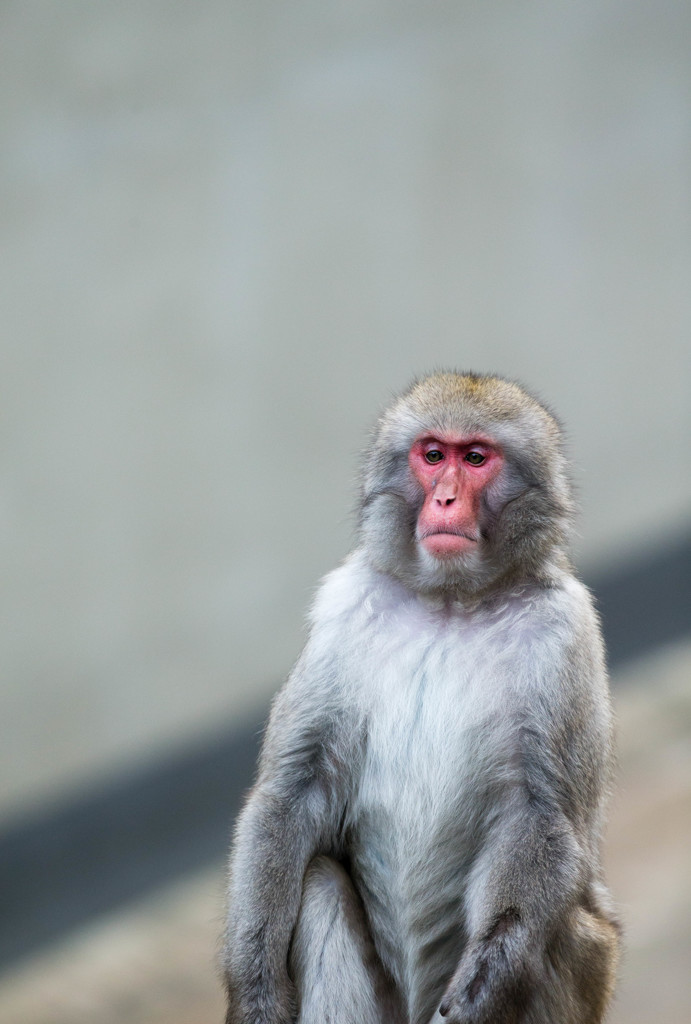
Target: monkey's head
(465,486)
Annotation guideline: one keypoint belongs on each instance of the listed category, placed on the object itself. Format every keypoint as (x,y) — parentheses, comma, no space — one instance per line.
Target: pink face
(453,472)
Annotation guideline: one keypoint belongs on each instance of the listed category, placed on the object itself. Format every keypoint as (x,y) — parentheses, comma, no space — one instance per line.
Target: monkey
(422,842)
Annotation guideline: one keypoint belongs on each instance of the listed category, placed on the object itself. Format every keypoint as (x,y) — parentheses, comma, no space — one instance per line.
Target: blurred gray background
(229,232)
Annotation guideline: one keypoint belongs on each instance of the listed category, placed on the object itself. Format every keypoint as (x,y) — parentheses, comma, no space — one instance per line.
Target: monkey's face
(432,519)
(454,473)
(464,487)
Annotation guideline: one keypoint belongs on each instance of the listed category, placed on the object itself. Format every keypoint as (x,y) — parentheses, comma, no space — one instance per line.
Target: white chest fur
(438,687)
(426,678)
(426,683)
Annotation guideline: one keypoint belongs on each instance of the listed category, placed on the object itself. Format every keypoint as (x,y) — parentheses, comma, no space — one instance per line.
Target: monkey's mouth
(447,542)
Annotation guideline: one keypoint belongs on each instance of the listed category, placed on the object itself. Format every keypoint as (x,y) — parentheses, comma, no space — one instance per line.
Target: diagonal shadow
(95,852)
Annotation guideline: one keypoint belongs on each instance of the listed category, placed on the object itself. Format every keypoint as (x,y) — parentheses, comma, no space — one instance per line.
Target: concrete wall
(229,231)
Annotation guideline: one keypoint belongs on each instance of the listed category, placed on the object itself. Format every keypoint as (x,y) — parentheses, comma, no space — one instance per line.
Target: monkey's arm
(538,861)
(288,818)
(522,885)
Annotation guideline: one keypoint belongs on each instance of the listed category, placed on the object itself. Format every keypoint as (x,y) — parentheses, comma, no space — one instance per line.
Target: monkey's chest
(419,819)
(420,777)
(432,722)
(435,697)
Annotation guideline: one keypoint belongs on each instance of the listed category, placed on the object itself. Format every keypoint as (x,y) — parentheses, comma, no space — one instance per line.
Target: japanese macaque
(423,839)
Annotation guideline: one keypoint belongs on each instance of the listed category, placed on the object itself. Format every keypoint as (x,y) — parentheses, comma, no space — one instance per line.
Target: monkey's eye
(475,458)
(434,456)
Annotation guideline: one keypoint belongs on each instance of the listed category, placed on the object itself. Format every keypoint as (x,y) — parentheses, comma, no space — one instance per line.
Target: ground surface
(154,962)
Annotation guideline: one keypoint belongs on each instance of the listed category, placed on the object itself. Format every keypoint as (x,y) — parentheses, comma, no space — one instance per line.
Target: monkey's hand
(493,982)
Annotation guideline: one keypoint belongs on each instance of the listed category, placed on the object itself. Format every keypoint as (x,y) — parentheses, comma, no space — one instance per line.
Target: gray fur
(435,770)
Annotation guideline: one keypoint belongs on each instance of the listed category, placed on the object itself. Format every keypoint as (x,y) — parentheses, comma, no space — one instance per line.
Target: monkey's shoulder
(344,590)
